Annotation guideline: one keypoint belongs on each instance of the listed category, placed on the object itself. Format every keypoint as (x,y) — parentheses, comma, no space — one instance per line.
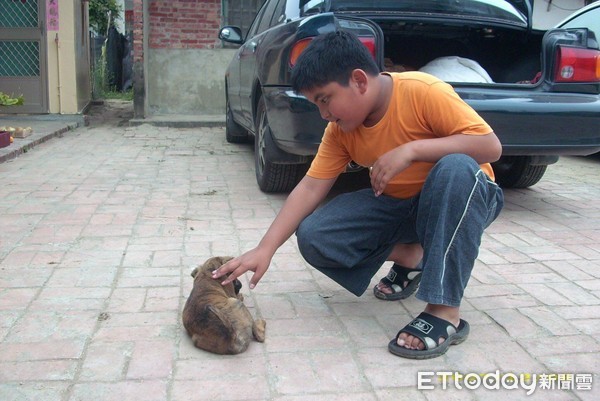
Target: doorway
(23,65)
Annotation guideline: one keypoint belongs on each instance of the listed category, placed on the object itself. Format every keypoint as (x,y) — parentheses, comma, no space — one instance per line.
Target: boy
(432,189)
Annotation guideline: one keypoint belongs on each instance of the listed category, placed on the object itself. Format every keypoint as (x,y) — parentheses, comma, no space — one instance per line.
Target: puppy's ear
(237,286)
(215,262)
(224,259)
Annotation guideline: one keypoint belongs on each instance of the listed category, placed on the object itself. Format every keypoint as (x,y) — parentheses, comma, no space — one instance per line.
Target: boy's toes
(417,344)
(410,342)
(386,289)
(401,340)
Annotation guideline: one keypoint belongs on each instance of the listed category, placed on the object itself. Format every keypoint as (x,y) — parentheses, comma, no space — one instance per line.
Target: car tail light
(299,46)
(369,42)
(297,49)
(577,65)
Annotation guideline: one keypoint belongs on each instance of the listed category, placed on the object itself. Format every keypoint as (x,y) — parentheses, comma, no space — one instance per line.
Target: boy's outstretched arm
(482,148)
(301,202)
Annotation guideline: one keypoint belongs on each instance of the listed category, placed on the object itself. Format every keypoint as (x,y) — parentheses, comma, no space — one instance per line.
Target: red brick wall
(138,31)
(184,24)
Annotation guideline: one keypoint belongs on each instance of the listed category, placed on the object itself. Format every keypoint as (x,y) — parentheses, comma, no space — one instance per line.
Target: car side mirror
(231,34)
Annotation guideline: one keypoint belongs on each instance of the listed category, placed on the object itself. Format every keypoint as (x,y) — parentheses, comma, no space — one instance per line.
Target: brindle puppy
(215,316)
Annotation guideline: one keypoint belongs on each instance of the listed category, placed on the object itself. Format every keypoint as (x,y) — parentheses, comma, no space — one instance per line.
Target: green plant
(102,15)
(100,87)
(116,95)
(99,78)
(9,100)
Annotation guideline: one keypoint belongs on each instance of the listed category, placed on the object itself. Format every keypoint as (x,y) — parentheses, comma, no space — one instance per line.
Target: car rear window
(496,10)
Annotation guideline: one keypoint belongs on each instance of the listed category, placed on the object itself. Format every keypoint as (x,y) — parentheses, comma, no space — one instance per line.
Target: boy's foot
(428,336)
(400,283)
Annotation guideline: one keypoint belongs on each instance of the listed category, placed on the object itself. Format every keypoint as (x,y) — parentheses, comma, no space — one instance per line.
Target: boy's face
(339,104)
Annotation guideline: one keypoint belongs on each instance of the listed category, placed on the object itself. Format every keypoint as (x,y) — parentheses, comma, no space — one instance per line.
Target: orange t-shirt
(421,107)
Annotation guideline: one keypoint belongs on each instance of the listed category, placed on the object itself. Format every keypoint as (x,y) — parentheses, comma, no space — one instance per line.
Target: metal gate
(23,54)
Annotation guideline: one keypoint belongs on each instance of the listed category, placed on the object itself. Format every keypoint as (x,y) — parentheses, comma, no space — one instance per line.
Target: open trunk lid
(515,13)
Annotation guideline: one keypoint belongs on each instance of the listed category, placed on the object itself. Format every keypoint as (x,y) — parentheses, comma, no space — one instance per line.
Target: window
(271,16)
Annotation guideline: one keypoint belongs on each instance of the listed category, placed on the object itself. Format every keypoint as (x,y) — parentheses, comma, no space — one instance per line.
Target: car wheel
(271,177)
(517,172)
(234,133)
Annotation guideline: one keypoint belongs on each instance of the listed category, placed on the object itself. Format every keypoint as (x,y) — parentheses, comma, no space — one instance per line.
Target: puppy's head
(213,264)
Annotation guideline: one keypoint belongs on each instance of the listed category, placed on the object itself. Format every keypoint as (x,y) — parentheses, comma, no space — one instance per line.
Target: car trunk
(465,40)
(462,53)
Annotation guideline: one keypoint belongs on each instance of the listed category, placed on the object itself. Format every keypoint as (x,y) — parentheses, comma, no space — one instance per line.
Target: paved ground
(45,127)
(100,228)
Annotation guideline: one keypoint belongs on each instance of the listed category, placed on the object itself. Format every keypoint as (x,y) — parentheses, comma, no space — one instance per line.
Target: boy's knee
(311,242)
(300,234)
(457,160)
(304,238)
(455,173)
(455,165)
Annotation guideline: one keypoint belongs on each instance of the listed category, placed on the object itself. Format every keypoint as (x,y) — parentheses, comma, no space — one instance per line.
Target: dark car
(539,90)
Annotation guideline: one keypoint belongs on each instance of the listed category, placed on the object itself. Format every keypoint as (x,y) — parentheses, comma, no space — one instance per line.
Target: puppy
(215,316)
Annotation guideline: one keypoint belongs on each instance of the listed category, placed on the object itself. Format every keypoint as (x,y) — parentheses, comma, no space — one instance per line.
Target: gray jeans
(350,237)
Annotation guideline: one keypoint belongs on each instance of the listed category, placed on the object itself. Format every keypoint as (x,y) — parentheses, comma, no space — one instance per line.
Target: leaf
(6,100)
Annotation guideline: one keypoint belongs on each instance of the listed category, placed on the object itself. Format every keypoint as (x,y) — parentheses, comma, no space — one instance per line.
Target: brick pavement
(99,231)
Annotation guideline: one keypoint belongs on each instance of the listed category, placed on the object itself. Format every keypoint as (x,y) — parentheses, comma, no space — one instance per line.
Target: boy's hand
(387,166)
(254,260)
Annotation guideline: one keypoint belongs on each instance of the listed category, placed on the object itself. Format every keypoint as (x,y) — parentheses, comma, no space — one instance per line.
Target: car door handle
(252,46)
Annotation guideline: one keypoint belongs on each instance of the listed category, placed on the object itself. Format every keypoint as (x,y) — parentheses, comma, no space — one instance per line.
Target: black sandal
(395,279)
(430,329)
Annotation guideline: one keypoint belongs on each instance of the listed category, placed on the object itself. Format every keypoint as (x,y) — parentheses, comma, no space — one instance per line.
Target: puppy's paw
(258,330)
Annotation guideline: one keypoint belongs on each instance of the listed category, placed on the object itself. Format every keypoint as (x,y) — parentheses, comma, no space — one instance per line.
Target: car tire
(234,133)
(517,172)
(270,176)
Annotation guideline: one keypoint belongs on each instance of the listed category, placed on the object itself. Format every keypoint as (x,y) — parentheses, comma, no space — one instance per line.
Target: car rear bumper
(543,123)
(527,122)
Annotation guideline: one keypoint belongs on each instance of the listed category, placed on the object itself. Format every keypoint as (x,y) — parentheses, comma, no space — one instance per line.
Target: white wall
(548,13)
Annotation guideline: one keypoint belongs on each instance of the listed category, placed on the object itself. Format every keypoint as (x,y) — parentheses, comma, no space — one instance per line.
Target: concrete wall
(178,65)
(187,81)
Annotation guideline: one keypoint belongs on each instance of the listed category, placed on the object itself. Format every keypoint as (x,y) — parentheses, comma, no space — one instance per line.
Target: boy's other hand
(387,166)
(254,260)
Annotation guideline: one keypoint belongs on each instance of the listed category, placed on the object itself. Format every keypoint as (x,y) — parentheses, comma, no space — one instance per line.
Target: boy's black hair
(331,57)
